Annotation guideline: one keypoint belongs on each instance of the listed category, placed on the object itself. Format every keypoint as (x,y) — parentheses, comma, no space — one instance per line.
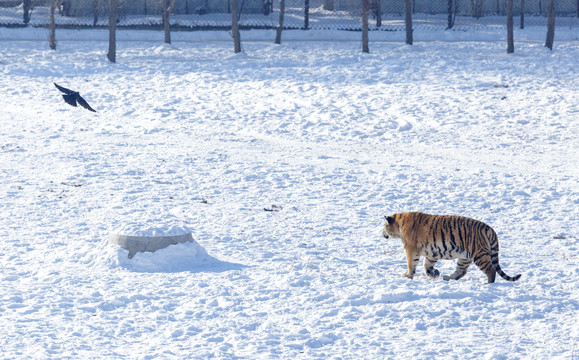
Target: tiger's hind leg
(429,268)
(461,269)
(484,263)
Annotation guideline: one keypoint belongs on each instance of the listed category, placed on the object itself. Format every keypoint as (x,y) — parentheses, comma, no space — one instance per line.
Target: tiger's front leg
(429,268)
(412,258)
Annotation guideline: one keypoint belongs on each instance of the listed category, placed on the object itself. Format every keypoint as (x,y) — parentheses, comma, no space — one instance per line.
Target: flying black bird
(72,97)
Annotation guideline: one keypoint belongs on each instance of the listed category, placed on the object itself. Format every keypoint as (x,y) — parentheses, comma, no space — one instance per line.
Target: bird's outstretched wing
(69,99)
(72,97)
(64,90)
(82,102)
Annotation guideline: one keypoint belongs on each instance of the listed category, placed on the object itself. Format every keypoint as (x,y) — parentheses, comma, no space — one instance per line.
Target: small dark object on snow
(72,97)
(71,184)
(274,208)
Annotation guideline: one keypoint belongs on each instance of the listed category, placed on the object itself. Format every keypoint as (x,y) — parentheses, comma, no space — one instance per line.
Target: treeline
(367,8)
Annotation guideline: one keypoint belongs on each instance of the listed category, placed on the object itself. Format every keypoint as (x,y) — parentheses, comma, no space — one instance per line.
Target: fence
(386,15)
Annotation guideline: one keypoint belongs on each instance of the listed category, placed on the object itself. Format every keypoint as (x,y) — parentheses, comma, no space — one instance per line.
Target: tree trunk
(26,7)
(408,21)
(365,11)
(449,23)
(65,7)
(280,26)
(166,21)
(522,14)
(307,14)
(378,11)
(476,8)
(113,15)
(550,25)
(510,40)
(235,26)
(95,7)
(52,26)
(329,5)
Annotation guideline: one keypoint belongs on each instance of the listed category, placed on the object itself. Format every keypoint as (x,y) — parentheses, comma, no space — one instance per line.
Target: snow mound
(189,256)
(148,223)
(150,229)
(185,256)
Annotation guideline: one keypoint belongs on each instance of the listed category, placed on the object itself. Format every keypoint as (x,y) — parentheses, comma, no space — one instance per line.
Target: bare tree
(328,5)
(280,26)
(52,25)
(365,12)
(306,14)
(113,16)
(376,8)
(452,11)
(408,21)
(235,27)
(449,12)
(95,8)
(167,9)
(64,8)
(510,39)
(27,8)
(550,24)
(477,7)
(522,14)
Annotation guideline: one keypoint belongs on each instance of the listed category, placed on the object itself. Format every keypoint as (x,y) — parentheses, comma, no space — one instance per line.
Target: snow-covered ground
(282,161)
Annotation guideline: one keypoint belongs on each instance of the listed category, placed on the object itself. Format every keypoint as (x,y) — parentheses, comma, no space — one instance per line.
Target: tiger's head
(391,227)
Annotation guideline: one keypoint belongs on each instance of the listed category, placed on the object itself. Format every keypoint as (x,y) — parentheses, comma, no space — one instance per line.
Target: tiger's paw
(433,273)
(446,277)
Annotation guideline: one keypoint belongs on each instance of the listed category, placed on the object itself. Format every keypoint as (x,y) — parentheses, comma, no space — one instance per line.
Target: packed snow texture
(283,161)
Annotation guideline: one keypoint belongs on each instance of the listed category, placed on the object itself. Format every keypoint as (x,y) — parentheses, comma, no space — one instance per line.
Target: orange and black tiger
(446,237)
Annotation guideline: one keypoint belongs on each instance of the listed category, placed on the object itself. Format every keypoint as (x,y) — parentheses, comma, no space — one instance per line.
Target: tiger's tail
(494,255)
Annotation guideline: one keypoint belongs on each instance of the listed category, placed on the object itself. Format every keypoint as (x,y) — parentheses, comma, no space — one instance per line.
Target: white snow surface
(140,224)
(283,161)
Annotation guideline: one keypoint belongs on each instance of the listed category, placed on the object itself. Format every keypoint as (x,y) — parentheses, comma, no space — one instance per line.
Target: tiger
(446,237)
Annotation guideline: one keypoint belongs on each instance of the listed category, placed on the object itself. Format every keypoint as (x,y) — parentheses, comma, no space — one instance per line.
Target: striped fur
(446,237)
